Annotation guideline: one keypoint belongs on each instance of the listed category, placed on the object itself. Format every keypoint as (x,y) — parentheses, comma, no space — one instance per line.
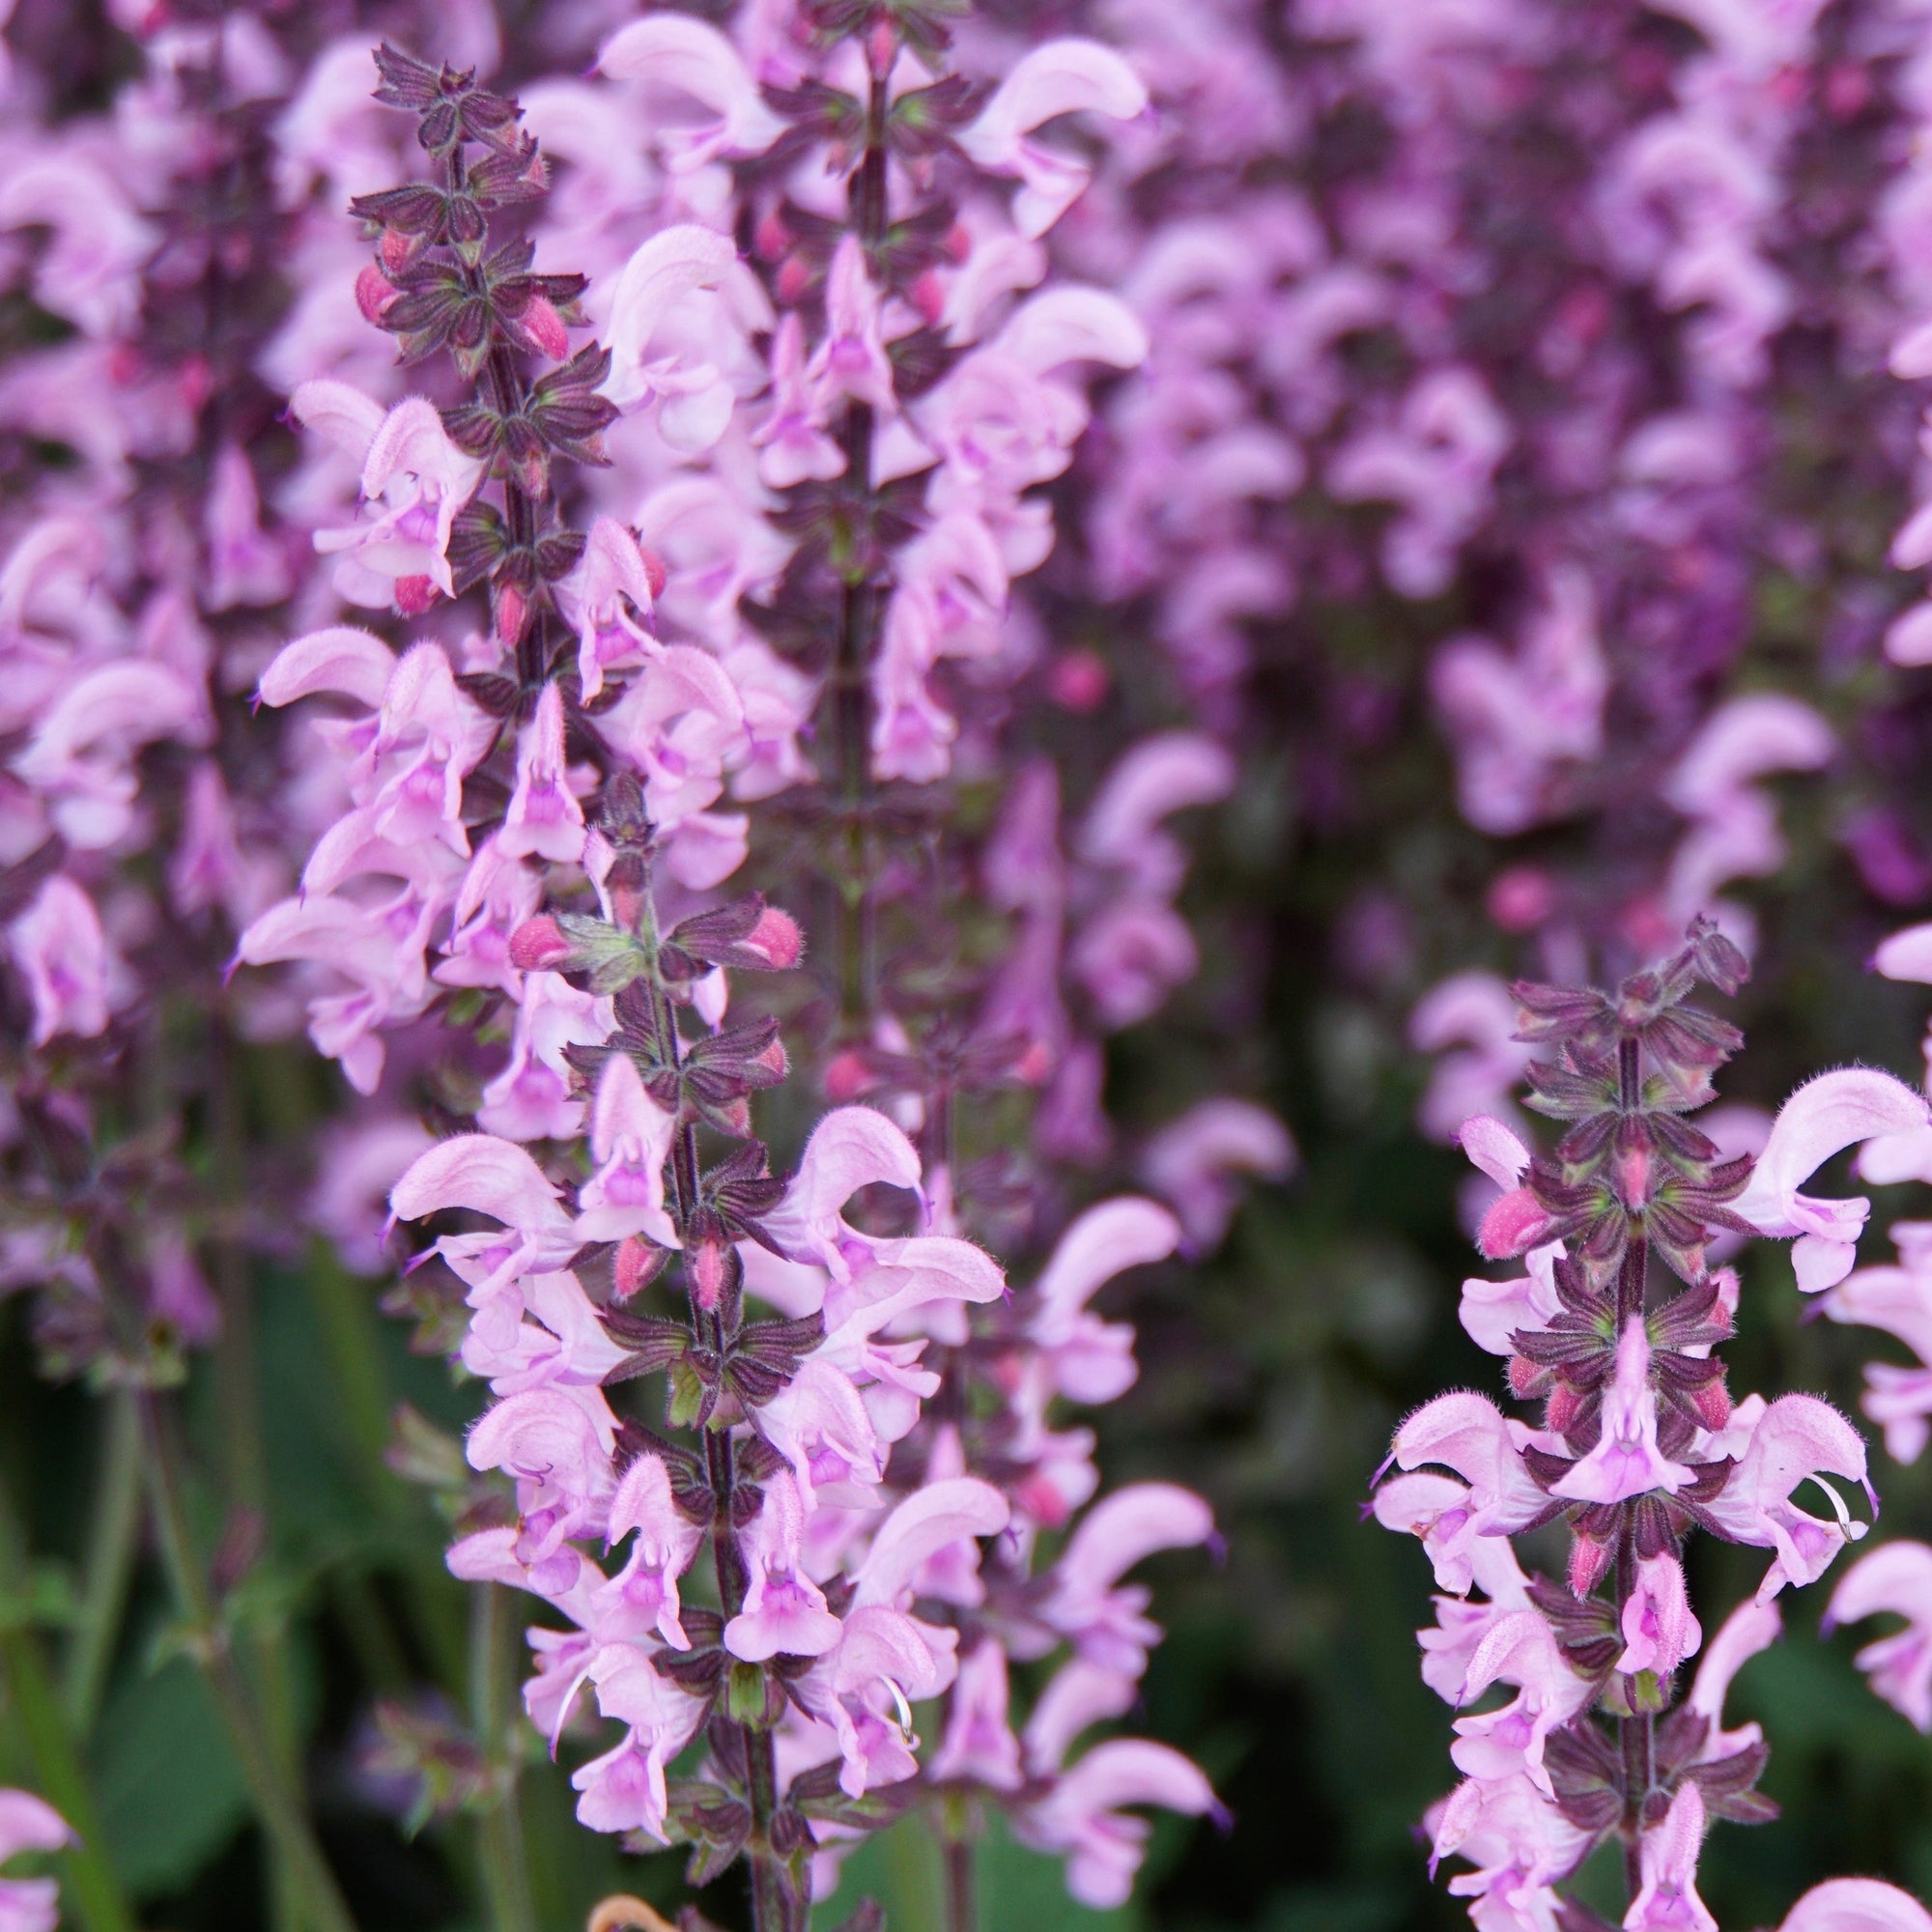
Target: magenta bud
(776,938)
(374,293)
(538,944)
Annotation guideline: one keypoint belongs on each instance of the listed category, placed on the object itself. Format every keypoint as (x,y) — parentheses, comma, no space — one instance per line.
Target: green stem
(499,1828)
(91,1881)
(108,1564)
(278,1806)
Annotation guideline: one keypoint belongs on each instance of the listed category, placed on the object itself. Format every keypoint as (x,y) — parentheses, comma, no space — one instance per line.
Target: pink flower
(1898,1300)
(1466,1433)
(497,897)
(1751,1627)
(1518,1843)
(1079,1695)
(414,472)
(1088,1603)
(1625,1462)
(784,1610)
(1068,76)
(1658,1630)
(1857,1905)
(1472,1012)
(1667,1900)
(630,1138)
(544,820)
(851,362)
(1082,1818)
(610,597)
(1519,1649)
(244,565)
(1897,1577)
(29,1823)
(61,953)
(531,1099)
(560,1456)
(1826,1115)
(675,53)
(862,1687)
(642,1597)
(625,1789)
(792,444)
(1091,1360)
(1798,1439)
(1193,1162)
(978,1746)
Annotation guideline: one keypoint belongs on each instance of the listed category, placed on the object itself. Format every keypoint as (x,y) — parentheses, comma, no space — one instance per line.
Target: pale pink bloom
(608,597)
(1461,1625)
(560,1457)
(1898,1300)
(1123,831)
(681,723)
(90,270)
(1472,1012)
(1091,1360)
(1068,76)
(29,1823)
(1130,956)
(1751,1627)
(545,819)
(498,894)
(979,1746)
(1667,1900)
(566,1348)
(1079,1695)
(356,1167)
(686,284)
(1857,1905)
(642,1597)
(244,565)
(779,700)
(1491,1312)
(1514,720)
(942,1516)
(625,1790)
(1105,1619)
(1658,1630)
(1798,1439)
(206,868)
(1518,1843)
(716,548)
(629,1139)
(1828,1114)
(80,758)
(178,1292)
(863,1686)
(1195,1162)
(1082,1818)
(1519,1649)
(60,951)
(784,1610)
(851,362)
(413,477)
(821,1426)
(1466,1433)
(792,441)
(531,1098)
(1897,1577)
(675,54)
(341,659)
(1625,1462)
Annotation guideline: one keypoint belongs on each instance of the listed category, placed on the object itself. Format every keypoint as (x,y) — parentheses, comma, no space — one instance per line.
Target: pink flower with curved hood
(1857,1905)
(608,597)
(1797,1439)
(791,441)
(1751,1627)
(1193,1162)
(681,302)
(1123,831)
(1519,1649)
(1105,1620)
(625,1789)
(60,951)
(1897,1577)
(673,53)
(1091,1360)
(1083,1818)
(545,819)
(629,1139)
(1520,1845)
(559,1454)
(534,1098)
(29,1823)
(1823,1117)
(642,1597)
(1898,1301)
(1667,1900)
(1070,76)
(414,479)
(979,1746)
(784,1610)
(1468,1433)
(1473,1014)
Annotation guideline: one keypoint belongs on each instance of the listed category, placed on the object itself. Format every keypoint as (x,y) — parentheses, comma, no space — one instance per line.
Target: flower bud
(539,945)
(374,293)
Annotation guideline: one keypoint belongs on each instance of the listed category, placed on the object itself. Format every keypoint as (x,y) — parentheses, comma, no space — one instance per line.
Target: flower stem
(91,1880)
(277,1805)
(499,1828)
(108,1563)
(962,1905)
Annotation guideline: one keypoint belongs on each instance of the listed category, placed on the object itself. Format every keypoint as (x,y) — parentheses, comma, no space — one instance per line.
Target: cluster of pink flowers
(1639,1445)
(810,477)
